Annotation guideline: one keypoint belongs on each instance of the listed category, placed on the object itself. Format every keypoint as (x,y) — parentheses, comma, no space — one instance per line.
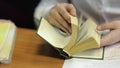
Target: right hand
(113,36)
(59,16)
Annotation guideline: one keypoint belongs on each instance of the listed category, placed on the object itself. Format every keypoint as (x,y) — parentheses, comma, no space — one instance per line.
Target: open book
(83,42)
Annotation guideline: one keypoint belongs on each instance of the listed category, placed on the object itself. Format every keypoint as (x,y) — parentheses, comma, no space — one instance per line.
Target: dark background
(19,11)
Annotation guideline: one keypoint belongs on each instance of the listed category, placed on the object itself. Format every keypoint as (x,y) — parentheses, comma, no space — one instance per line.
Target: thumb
(106,40)
(71,9)
(111,25)
(110,38)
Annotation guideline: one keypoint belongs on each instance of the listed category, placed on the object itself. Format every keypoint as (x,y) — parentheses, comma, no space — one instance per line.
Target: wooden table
(30,51)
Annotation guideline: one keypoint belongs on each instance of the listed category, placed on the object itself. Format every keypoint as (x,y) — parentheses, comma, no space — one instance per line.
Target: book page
(97,53)
(52,35)
(75,29)
(82,30)
(90,38)
(83,33)
(88,29)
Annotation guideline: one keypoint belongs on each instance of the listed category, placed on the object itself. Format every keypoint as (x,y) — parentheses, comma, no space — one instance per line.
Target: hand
(113,36)
(59,16)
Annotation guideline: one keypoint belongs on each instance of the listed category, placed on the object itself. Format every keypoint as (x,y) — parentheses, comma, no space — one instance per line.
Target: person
(57,13)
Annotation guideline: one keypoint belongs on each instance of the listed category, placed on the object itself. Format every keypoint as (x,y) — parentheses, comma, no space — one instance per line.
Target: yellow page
(90,39)
(83,33)
(75,29)
(97,53)
(52,35)
(88,30)
(4,27)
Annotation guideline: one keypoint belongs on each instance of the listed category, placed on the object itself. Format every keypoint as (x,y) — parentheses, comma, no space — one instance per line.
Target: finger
(64,13)
(106,26)
(63,28)
(111,25)
(110,38)
(55,23)
(106,40)
(54,19)
(63,22)
(70,8)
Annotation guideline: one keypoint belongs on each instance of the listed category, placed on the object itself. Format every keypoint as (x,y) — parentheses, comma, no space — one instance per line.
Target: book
(84,41)
(7,37)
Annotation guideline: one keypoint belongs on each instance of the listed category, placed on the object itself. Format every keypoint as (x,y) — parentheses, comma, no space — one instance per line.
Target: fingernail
(99,27)
(74,14)
(68,34)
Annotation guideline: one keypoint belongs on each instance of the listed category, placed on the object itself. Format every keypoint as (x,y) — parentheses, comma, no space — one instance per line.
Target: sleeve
(43,9)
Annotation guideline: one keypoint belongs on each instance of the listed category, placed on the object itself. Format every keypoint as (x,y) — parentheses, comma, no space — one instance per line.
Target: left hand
(59,16)
(113,36)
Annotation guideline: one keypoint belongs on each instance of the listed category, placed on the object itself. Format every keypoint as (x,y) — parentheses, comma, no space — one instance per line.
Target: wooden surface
(30,51)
